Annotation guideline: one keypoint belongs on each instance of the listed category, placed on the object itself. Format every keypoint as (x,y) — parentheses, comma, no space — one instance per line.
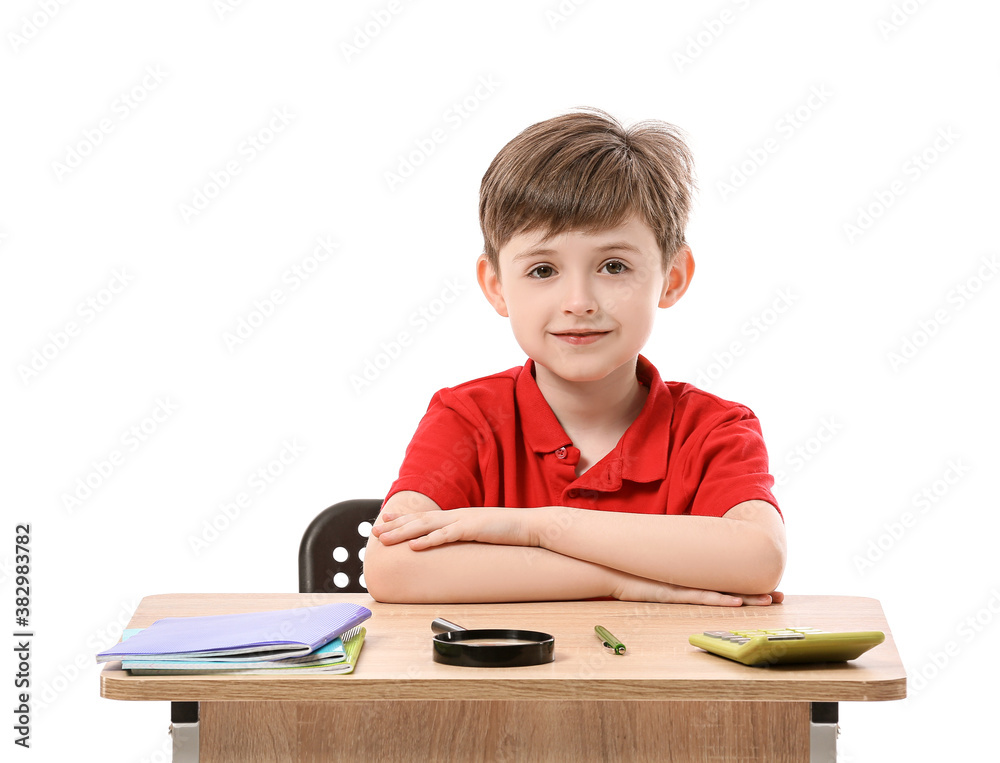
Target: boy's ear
(678,277)
(489,282)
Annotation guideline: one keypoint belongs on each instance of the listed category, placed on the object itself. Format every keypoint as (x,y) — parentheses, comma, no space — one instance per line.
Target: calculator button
(786,636)
(717,634)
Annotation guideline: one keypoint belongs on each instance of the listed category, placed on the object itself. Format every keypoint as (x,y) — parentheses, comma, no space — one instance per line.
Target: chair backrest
(332,552)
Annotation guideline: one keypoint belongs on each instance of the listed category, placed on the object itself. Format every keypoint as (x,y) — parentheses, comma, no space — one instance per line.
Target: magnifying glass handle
(440,625)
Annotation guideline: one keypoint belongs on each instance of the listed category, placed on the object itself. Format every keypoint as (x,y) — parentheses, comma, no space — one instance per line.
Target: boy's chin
(583,371)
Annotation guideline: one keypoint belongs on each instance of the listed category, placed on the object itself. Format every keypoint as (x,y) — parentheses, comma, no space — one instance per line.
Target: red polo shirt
(496,442)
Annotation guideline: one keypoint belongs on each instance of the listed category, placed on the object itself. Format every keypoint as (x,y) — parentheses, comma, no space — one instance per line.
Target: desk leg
(487,730)
(184,730)
(823,731)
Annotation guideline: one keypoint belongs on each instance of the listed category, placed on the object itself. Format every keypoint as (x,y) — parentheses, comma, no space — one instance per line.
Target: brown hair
(585,171)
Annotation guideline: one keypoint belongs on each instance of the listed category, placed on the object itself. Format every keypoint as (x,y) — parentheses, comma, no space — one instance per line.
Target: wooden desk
(662,700)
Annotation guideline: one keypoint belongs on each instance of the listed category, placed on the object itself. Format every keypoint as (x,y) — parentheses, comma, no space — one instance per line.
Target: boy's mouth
(580,337)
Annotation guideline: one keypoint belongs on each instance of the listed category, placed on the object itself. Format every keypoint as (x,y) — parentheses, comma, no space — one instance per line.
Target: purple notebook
(271,635)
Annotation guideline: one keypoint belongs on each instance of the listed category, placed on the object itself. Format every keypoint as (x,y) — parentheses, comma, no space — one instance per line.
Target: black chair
(330,554)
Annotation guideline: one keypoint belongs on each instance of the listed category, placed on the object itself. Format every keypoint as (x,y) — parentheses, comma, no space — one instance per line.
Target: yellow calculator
(782,646)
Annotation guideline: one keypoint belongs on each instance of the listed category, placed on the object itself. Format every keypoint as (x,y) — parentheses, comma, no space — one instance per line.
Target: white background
(873,367)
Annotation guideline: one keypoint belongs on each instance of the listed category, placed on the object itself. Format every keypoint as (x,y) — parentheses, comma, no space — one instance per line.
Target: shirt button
(573,493)
(561,453)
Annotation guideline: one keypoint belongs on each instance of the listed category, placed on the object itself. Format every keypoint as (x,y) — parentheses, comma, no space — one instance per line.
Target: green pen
(609,640)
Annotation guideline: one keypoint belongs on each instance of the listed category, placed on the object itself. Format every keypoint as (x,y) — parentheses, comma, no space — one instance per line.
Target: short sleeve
(727,464)
(444,459)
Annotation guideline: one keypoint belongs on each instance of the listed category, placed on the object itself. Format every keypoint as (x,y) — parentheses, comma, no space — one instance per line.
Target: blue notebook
(339,657)
(249,636)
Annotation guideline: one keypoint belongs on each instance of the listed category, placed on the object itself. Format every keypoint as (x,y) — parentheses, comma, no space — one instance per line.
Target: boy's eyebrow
(534,251)
(541,250)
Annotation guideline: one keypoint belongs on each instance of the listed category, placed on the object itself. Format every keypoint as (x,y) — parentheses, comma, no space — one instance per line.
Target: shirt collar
(641,453)
(644,446)
(541,429)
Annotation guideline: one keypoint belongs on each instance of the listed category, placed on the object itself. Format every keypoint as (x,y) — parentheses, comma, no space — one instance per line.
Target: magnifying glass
(490,647)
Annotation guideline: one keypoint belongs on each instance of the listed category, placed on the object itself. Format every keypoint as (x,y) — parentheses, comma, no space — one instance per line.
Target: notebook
(339,657)
(249,636)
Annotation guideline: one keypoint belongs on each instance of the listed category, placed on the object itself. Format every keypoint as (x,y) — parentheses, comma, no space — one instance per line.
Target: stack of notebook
(324,639)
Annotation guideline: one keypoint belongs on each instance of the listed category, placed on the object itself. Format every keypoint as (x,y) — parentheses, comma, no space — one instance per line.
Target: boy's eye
(615,268)
(542,271)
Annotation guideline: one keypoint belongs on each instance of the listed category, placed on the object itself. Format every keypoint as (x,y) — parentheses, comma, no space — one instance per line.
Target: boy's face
(581,304)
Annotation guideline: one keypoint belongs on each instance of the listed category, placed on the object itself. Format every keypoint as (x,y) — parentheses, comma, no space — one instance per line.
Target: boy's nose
(579,297)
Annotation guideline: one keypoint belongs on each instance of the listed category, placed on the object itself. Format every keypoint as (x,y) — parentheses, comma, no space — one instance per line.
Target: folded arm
(419,553)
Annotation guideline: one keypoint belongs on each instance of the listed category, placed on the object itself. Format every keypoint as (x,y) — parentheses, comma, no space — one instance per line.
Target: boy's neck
(603,407)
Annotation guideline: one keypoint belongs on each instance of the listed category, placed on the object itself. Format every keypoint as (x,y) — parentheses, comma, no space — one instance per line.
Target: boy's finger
(714,598)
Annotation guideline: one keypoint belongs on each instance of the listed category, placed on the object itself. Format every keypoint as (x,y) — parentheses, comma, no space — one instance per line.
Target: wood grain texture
(463,730)
(659,664)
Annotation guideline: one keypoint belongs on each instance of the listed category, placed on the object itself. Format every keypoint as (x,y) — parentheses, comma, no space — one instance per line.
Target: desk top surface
(396,660)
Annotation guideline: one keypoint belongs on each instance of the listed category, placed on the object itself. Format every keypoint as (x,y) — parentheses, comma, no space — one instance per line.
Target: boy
(582,474)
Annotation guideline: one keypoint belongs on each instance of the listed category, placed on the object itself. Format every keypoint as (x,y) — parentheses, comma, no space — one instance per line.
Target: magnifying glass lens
(490,647)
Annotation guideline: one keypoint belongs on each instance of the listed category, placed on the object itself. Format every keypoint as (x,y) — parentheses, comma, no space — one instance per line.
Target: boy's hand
(632,588)
(499,526)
